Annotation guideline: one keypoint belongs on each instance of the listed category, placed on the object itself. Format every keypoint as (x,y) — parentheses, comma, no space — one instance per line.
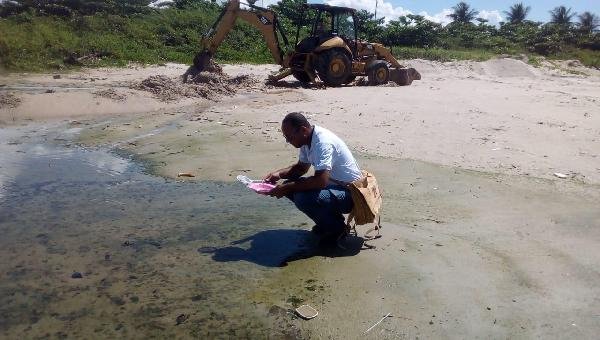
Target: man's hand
(280,190)
(272,177)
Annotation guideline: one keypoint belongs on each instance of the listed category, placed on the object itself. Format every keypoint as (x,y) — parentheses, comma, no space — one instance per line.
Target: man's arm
(292,171)
(315,182)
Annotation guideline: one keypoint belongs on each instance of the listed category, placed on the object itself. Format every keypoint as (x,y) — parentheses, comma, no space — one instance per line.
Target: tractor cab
(329,46)
(324,22)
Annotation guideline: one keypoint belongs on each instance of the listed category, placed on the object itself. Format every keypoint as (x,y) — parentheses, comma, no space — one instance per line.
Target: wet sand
(470,247)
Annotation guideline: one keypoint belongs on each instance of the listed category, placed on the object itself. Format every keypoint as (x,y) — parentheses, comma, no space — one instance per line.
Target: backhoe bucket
(404,76)
(201,62)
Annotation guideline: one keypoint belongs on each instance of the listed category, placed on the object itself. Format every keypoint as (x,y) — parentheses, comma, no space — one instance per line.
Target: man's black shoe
(318,230)
(331,237)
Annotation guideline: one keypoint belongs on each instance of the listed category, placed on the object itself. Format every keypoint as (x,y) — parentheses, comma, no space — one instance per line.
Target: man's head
(296,129)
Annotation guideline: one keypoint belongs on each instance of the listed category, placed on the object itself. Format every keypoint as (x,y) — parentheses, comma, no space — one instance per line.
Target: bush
(41,34)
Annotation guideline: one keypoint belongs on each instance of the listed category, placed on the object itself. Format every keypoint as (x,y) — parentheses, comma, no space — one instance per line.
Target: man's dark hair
(296,120)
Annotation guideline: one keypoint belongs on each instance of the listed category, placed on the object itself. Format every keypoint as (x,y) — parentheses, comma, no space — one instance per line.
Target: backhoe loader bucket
(201,62)
(404,76)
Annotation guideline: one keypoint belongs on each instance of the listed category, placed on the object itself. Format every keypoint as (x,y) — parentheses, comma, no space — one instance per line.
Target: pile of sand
(213,67)
(507,67)
(209,85)
(9,100)
(213,83)
(221,83)
(110,94)
(162,87)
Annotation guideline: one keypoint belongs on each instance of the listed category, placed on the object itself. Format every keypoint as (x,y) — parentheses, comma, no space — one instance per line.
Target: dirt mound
(213,67)
(507,67)
(9,100)
(224,84)
(162,87)
(210,85)
(110,94)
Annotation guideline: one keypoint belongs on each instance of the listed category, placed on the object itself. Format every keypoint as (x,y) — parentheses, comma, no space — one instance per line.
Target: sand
(501,115)
(481,238)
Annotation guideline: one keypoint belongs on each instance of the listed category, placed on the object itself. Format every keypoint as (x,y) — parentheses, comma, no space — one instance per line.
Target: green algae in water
(135,238)
(295,300)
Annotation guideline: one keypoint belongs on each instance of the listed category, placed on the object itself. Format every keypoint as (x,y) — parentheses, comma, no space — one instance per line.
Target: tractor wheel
(350,79)
(378,73)
(334,67)
(301,76)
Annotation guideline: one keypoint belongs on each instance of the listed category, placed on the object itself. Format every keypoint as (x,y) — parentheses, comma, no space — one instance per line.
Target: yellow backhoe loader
(331,52)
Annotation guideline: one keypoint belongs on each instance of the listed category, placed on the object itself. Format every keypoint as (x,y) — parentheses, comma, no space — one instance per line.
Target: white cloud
(160,3)
(493,17)
(387,10)
(441,17)
(266,3)
(261,3)
(384,9)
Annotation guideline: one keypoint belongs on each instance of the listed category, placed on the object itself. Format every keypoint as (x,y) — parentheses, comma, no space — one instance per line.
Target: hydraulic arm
(263,19)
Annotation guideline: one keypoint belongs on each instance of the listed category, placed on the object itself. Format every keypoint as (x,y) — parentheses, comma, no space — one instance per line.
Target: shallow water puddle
(93,246)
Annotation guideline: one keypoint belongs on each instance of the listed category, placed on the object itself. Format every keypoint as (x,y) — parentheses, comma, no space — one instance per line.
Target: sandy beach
(491,180)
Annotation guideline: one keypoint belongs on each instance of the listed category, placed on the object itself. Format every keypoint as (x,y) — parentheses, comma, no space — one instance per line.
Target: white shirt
(328,152)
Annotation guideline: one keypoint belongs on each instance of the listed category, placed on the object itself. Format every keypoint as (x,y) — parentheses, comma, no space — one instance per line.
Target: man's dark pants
(325,207)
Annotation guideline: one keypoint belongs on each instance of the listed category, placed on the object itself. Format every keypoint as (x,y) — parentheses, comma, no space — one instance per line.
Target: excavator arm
(263,19)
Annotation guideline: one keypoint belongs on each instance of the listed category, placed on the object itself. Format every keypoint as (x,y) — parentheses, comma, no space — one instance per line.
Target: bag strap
(376,228)
(351,228)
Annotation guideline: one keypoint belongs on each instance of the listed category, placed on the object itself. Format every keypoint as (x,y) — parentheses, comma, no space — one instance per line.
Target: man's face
(293,135)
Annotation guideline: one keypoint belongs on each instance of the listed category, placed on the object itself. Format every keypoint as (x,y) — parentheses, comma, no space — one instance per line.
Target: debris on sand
(222,84)
(363,81)
(110,94)
(9,100)
(162,87)
(213,67)
(211,84)
(560,175)
(181,318)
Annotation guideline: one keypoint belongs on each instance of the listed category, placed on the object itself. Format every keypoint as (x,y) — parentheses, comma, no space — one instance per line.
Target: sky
(437,10)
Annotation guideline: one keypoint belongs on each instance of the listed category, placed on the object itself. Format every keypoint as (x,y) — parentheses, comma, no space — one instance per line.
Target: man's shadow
(278,247)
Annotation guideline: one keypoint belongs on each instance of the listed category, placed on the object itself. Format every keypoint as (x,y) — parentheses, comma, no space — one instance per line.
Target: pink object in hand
(261,188)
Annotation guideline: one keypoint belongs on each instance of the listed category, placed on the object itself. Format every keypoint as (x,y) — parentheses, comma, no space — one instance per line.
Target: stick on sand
(378,322)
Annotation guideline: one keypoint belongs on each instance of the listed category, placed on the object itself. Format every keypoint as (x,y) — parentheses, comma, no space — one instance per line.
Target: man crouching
(323,196)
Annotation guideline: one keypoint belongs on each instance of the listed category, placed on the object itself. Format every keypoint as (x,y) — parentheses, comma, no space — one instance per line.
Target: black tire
(378,73)
(301,76)
(334,67)
(350,79)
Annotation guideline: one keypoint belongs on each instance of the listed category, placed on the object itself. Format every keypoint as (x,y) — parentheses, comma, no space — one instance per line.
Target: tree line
(171,30)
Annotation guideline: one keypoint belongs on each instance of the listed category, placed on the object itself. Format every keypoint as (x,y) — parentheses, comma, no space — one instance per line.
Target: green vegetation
(38,35)
(34,42)
(440,54)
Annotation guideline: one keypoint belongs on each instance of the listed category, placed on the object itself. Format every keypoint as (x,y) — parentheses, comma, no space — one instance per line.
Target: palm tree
(517,13)
(561,15)
(463,13)
(588,22)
